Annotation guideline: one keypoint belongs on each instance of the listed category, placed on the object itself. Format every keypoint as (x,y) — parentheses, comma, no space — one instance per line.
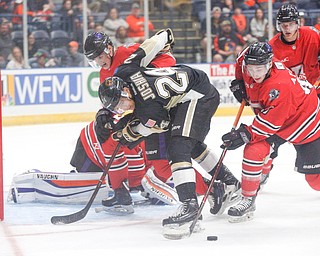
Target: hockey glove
(275,142)
(103,124)
(235,139)
(238,89)
(126,136)
(170,40)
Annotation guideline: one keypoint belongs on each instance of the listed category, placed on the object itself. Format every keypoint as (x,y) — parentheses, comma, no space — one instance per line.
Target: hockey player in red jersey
(129,164)
(286,108)
(177,99)
(297,47)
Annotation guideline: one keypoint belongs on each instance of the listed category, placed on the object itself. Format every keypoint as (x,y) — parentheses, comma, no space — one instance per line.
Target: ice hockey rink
(286,222)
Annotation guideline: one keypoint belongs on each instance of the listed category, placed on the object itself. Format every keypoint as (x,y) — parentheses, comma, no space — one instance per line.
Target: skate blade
(237,219)
(230,201)
(177,232)
(116,210)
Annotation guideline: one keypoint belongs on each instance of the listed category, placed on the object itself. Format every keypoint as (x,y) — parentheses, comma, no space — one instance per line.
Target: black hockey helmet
(110,92)
(95,44)
(287,13)
(258,53)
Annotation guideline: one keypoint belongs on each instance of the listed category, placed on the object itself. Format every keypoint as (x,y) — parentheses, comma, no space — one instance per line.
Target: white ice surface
(286,222)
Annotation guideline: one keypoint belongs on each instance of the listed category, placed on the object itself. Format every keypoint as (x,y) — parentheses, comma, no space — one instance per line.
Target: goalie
(91,154)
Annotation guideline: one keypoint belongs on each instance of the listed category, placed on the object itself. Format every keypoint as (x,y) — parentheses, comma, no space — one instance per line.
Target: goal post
(1,158)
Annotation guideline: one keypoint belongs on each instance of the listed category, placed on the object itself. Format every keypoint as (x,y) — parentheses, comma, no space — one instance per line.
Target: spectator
(113,22)
(32,45)
(121,37)
(67,15)
(17,61)
(264,4)
(5,38)
(240,21)
(3,62)
(317,25)
(227,7)
(136,24)
(43,60)
(226,41)
(233,57)
(5,6)
(76,59)
(258,24)
(215,27)
(17,12)
(246,4)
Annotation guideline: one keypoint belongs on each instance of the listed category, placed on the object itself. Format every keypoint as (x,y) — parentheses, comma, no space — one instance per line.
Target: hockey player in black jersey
(177,99)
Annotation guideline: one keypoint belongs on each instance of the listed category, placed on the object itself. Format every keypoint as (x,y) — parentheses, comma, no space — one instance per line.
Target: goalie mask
(112,95)
(258,60)
(289,15)
(95,45)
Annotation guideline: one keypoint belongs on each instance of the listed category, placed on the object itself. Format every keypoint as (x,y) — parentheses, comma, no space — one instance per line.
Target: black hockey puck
(212,238)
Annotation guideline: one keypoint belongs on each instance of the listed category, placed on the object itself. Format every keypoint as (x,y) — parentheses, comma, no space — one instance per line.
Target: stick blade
(68,219)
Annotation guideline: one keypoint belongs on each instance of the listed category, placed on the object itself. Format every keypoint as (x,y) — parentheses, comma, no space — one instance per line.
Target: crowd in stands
(55,28)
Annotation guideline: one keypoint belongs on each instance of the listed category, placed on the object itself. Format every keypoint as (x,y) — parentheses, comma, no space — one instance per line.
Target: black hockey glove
(275,142)
(235,139)
(127,136)
(103,124)
(238,89)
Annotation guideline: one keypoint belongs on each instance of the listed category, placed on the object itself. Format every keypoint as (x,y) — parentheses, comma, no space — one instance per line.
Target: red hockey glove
(235,139)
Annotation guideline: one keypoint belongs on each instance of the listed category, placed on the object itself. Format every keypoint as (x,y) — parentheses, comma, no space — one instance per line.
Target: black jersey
(158,90)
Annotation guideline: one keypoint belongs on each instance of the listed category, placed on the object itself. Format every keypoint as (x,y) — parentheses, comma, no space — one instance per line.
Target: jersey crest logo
(273,94)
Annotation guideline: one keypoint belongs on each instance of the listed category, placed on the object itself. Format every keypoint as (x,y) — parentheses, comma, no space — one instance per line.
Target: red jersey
(283,104)
(123,52)
(302,56)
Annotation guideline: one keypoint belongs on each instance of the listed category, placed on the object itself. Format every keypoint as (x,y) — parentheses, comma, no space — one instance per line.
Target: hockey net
(1,165)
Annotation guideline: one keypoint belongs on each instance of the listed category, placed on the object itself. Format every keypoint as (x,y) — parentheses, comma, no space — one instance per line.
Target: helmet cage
(110,92)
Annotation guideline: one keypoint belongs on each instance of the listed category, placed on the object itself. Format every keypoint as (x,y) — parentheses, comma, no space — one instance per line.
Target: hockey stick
(67,219)
(218,166)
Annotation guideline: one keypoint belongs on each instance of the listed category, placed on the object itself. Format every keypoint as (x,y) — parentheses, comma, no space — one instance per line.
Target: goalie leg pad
(155,188)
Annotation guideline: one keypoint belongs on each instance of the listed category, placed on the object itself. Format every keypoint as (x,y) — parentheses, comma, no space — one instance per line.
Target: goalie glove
(127,135)
(235,139)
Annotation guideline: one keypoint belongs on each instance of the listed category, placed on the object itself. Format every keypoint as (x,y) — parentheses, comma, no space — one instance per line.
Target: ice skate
(223,196)
(243,211)
(178,225)
(120,202)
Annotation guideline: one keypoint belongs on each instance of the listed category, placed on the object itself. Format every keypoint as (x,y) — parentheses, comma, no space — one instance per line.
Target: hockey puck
(212,238)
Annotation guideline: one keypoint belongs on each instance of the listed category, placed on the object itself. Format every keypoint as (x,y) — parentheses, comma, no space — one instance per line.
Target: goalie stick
(74,217)
(214,176)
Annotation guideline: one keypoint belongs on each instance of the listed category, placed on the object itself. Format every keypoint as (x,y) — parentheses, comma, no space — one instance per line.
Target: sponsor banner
(57,92)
